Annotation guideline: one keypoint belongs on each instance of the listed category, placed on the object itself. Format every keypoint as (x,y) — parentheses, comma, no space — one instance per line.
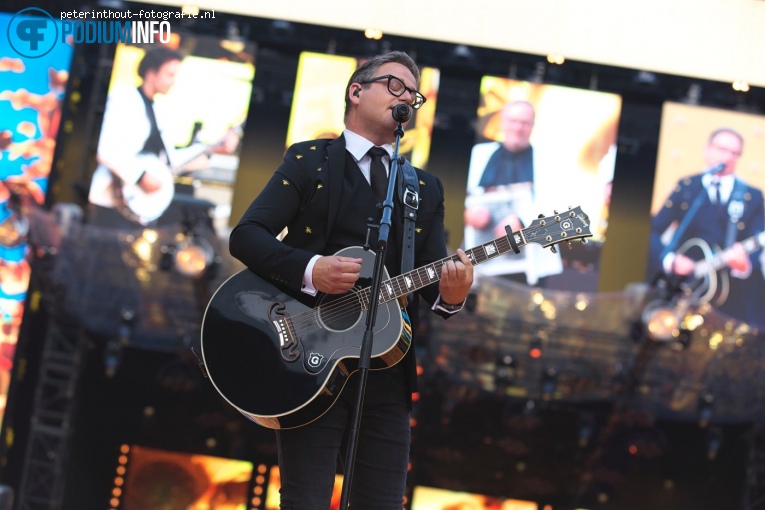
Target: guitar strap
(735,212)
(683,226)
(152,145)
(408,190)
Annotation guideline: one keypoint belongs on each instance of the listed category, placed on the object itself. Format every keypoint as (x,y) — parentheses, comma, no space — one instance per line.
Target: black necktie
(379,176)
(718,196)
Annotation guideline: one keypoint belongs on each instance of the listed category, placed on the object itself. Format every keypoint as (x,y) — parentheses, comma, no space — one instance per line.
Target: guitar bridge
(287,341)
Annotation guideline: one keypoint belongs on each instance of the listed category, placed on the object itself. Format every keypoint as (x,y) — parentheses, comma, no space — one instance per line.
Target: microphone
(402,113)
(719,167)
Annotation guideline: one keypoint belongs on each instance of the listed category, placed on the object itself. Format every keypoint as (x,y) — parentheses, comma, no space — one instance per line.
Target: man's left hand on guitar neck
(456,279)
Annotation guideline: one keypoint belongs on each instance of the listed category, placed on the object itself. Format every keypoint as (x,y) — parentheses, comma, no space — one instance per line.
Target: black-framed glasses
(397,88)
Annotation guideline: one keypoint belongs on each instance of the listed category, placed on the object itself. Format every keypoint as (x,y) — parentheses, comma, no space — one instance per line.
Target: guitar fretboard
(422,277)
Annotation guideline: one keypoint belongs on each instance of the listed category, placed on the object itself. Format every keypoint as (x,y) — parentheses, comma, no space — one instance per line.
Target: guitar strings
(355,302)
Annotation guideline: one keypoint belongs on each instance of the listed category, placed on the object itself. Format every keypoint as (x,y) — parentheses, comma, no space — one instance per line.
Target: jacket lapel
(336,167)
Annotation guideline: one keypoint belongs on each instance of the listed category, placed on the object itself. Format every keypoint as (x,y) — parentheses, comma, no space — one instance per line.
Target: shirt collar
(724,181)
(358,146)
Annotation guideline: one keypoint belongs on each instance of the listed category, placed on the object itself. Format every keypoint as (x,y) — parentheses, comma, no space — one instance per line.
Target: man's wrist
(449,307)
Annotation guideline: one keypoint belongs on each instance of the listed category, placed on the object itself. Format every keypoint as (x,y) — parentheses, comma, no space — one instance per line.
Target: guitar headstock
(561,227)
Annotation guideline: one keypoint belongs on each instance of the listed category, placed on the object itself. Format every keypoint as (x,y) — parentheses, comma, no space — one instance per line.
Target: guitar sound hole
(340,312)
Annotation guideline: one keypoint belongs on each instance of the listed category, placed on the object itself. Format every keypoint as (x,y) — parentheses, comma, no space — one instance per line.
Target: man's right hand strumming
(335,275)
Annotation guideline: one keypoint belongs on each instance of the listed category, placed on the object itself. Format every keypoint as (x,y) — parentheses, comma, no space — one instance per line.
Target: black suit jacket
(303,195)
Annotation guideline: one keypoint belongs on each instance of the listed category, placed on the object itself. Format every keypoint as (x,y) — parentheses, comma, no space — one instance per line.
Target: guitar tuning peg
(541,216)
(555,211)
(584,240)
(553,249)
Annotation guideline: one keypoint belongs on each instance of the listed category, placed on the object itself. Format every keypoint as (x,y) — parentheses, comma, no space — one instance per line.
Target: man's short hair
(156,58)
(729,131)
(367,70)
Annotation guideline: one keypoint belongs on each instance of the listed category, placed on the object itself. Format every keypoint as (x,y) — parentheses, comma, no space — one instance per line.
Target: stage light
(663,319)
(112,357)
(740,86)
(143,246)
(556,58)
(586,429)
(463,52)
(505,372)
(706,404)
(714,442)
(190,10)
(549,383)
(535,346)
(373,33)
(193,256)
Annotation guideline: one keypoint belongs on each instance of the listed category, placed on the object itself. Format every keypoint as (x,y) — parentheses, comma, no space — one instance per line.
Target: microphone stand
(374,297)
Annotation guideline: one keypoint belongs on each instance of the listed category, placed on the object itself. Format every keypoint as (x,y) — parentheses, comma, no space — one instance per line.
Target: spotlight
(663,319)
(535,346)
(193,255)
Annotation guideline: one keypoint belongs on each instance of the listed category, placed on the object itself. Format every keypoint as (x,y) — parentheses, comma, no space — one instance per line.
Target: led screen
(430,498)
(199,105)
(274,482)
(540,149)
(31,94)
(708,222)
(158,479)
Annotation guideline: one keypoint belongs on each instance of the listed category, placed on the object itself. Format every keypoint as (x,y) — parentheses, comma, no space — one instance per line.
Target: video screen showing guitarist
(134,182)
(709,232)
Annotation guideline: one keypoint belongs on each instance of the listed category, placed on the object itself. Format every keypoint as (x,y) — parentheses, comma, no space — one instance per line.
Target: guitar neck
(422,277)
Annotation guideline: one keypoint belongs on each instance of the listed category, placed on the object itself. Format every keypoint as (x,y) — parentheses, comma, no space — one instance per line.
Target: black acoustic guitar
(282,362)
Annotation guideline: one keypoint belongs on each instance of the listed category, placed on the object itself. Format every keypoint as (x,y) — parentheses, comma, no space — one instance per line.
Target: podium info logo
(32,32)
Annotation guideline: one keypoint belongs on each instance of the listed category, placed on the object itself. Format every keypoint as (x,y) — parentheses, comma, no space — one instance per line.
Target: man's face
(163,78)
(376,103)
(517,123)
(723,148)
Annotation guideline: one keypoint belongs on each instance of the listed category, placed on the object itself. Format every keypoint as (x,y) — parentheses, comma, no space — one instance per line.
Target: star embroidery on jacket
(313,147)
(308,230)
(298,156)
(285,182)
(418,230)
(422,183)
(319,186)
